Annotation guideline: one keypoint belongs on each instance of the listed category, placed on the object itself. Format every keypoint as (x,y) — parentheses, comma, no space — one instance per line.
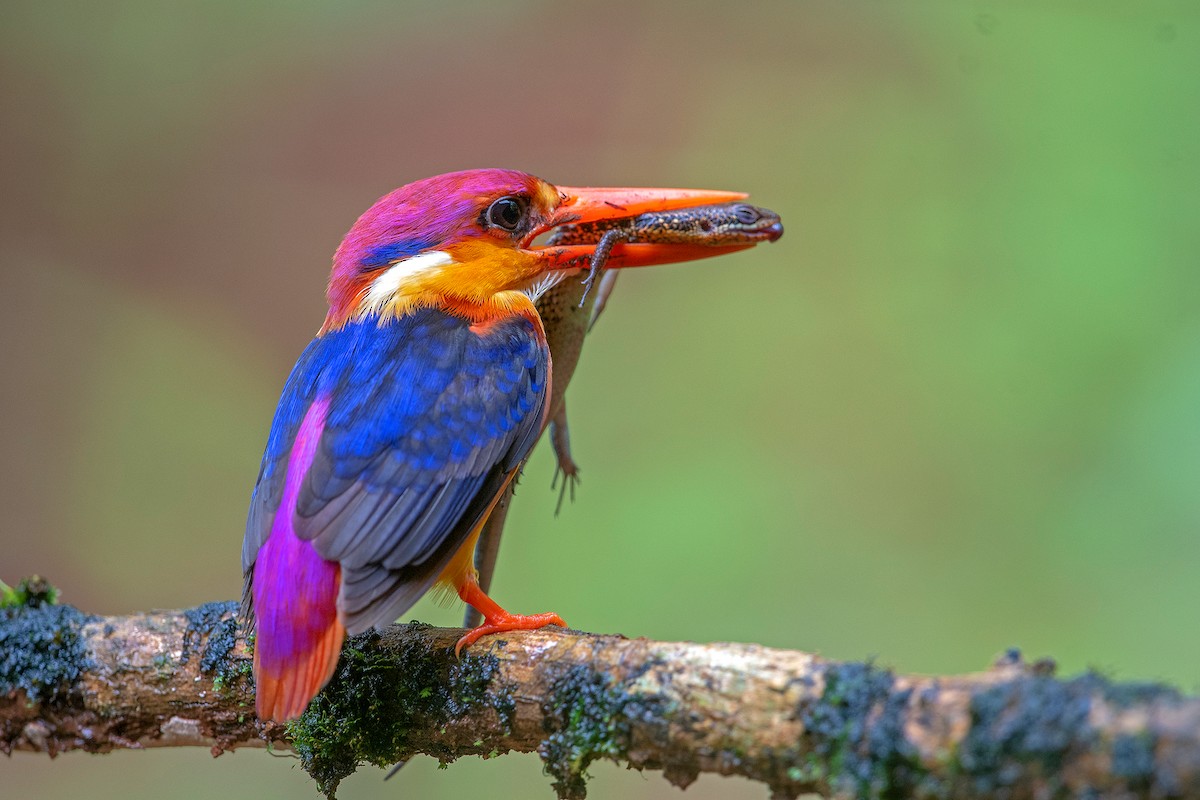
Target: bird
(411,411)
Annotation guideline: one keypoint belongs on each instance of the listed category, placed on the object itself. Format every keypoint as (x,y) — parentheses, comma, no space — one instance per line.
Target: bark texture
(795,722)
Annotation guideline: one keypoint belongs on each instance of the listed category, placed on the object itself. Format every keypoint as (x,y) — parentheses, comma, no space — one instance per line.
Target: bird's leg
(600,258)
(560,437)
(495,618)
(488,549)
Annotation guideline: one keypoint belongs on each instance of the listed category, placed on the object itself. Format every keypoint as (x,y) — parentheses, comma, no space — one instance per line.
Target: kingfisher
(412,410)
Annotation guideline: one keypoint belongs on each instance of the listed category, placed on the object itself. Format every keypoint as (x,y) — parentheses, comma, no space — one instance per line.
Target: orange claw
(495,618)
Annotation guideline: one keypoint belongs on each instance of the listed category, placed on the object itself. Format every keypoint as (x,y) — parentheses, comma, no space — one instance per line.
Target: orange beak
(596,204)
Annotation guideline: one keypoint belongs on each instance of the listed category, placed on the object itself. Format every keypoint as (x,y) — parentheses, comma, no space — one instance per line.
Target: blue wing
(426,420)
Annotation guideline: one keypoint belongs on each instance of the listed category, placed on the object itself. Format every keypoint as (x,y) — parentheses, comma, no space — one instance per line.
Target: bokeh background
(955,409)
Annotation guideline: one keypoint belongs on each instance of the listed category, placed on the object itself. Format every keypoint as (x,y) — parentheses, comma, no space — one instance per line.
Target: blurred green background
(956,408)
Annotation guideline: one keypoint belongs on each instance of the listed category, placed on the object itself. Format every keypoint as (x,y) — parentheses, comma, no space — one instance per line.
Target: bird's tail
(299,635)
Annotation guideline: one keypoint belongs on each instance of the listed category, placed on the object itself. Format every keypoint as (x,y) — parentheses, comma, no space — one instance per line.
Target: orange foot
(495,618)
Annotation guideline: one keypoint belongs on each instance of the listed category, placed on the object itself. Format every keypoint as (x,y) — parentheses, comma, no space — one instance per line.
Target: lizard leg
(608,282)
(560,437)
(600,258)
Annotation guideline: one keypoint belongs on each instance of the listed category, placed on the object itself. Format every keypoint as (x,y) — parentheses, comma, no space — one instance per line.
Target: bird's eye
(506,213)
(747,215)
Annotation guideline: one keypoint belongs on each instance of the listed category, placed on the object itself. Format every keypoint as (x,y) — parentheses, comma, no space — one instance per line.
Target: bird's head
(464,240)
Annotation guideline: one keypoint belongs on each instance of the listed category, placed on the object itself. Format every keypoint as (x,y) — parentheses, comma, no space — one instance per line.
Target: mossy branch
(793,721)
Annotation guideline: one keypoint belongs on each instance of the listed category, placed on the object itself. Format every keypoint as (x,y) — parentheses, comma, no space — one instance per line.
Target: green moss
(1026,727)
(41,649)
(1042,723)
(589,718)
(1124,695)
(380,694)
(164,668)
(32,592)
(856,735)
(470,687)
(1133,761)
(233,674)
(1029,721)
(214,624)
(212,634)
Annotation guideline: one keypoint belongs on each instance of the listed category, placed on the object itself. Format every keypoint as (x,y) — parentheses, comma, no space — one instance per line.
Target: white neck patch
(384,288)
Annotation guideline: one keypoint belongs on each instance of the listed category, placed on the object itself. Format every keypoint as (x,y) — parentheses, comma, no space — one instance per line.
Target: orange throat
(475,280)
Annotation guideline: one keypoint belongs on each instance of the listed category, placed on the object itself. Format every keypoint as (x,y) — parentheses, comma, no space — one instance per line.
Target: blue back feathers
(386,383)
(426,419)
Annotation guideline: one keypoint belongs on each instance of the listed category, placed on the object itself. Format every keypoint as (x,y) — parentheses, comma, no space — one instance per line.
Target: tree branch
(793,721)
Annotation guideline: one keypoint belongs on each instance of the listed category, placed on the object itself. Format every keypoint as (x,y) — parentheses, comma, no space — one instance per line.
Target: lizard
(570,309)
